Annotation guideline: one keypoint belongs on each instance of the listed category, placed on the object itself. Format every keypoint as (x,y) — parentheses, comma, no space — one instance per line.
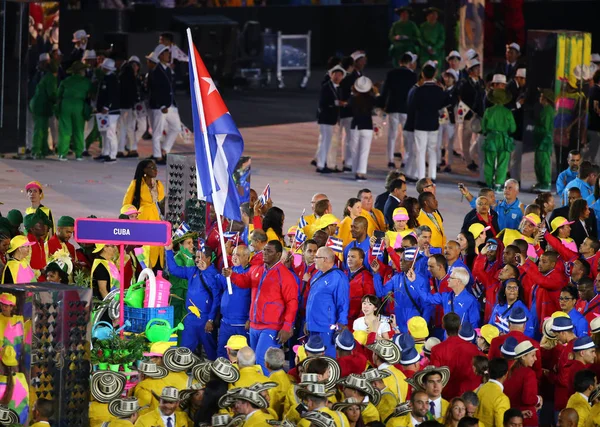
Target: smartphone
(301,409)
(379,235)
(461,185)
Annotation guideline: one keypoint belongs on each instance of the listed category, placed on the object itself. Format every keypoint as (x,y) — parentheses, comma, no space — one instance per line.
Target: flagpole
(213,183)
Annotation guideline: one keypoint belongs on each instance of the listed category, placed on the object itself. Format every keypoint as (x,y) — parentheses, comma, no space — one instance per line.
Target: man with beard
(569,174)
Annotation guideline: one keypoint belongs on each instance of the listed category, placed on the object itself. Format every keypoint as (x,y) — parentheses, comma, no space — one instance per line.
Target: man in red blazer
(361,283)
(457,354)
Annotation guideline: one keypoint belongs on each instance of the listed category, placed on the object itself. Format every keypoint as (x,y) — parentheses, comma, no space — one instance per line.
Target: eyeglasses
(320,257)
(512,288)
(429,185)
(565,298)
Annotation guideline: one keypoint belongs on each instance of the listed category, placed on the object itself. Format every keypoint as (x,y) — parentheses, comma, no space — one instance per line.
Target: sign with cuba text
(122,231)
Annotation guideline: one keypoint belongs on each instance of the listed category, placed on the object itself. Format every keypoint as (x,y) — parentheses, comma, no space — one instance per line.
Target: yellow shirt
(593,418)
(291,402)
(271,235)
(396,383)
(118,423)
(99,414)
(375,220)
(370,413)
(387,404)
(280,392)
(580,403)
(493,403)
(257,418)
(340,419)
(143,391)
(438,238)
(179,380)
(397,236)
(402,421)
(42,424)
(153,419)
(344,231)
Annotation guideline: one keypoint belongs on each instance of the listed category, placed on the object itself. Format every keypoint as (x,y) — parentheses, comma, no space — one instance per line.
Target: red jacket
(300,270)
(569,371)
(522,390)
(356,363)
(486,273)
(589,310)
(568,256)
(560,376)
(257,259)
(274,296)
(520,337)
(55,245)
(361,284)
(545,288)
(38,253)
(457,355)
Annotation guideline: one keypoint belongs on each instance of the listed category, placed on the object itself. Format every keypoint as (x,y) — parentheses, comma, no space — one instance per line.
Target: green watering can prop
(104,330)
(160,330)
(135,295)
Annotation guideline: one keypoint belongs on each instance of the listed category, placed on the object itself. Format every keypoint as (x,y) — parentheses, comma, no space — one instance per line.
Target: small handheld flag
(232,236)
(335,244)
(299,238)
(376,251)
(266,195)
(182,229)
(302,222)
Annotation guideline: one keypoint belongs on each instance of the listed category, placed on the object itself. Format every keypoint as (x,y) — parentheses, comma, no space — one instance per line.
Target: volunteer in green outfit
(72,109)
(497,125)
(542,136)
(404,36)
(42,106)
(184,258)
(433,38)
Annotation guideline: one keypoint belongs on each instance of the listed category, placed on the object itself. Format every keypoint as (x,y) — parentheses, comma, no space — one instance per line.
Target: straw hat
(401,409)
(124,408)
(361,384)
(346,403)
(500,97)
(319,419)
(334,369)
(8,417)
(524,348)
(185,395)
(108,64)
(363,84)
(419,377)
(284,423)
(386,350)
(313,389)
(253,397)
(17,242)
(595,325)
(168,394)
(375,374)
(107,385)
(260,387)
(549,333)
(152,370)
(179,359)
(594,395)
(221,367)
(225,420)
(429,344)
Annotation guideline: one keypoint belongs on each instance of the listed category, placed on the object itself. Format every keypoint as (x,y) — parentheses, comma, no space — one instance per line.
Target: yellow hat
(292,230)
(417,328)
(559,314)
(18,241)
(9,356)
(129,210)
(361,337)
(477,228)
(326,220)
(35,184)
(558,222)
(300,352)
(533,218)
(157,349)
(400,214)
(235,342)
(99,247)
(488,332)
(8,299)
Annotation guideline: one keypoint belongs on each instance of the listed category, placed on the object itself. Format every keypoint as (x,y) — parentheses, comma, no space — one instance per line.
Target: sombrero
(221,367)
(310,379)
(225,420)
(346,403)
(548,94)
(189,235)
(594,395)
(284,423)
(179,359)
(386,350)
(185,395)
(245,394)
(499,97)
(8,417)
(360,383)
(260,387)
(168,394)
(107,385)
(313,389)
(419,377)
(402,409)
(124,408)
(319,419)
(375,374)
(152,370)
(334,369)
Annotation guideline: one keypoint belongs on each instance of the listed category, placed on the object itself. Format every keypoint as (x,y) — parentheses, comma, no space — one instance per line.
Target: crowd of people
(100,95)
(381,317)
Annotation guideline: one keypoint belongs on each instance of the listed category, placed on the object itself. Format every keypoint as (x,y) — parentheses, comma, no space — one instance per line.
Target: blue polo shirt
(587,191)
(364,245)
(509,215)
(564,178)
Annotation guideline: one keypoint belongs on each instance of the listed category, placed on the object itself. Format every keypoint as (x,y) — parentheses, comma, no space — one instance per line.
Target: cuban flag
(214,127)
(233,236)
(302,222)
(182,229)
(299,238)
(266,195)
(335,244)
(376,250)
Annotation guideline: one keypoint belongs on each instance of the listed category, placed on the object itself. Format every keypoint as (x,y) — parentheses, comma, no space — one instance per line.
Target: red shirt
(520,337)
(486,273)
(55,245)
(356,363)
(38,254)
(545,288)
(361,284)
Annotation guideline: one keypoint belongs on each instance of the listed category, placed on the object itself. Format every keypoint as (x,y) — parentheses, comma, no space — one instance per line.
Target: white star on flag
(212,88)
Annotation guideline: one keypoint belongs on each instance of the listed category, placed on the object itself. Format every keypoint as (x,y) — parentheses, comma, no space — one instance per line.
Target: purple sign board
(122,231)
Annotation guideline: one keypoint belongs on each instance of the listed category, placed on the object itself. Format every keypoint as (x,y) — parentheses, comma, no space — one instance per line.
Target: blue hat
(345,340)
(466,332)
(410,254)
(315,344)
(561,324)
(517,315)
(404,341)
(583,343)
(508,348)
(410,356)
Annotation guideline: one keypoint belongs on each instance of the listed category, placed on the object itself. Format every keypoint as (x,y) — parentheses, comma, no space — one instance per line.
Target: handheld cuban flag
(299,238)
(376,250)
(182,229)
(200,243)
(302,221)
(335,244)
(232,236)
(266,195)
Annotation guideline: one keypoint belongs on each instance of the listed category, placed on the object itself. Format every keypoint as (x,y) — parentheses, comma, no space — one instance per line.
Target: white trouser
(345,124)
(395,120)
(445,140)
(131,128)
(29,125)
(516,159)
(360,146)
(426,144)
(409,154)
(109,138)
(53,125)
(168,121)
(89,127)
(325,135)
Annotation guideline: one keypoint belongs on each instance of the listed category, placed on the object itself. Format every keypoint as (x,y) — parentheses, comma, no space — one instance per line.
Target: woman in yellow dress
(272,224)
(401,227)
(352,210)
(147,194)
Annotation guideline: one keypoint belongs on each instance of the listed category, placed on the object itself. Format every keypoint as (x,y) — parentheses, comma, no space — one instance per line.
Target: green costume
(42,106)
(72,95)
(433,36)
(94,135)
(179,287)
(498,122)
(409,39)
(542,134)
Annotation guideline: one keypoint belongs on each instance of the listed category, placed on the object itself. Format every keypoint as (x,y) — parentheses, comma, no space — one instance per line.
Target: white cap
(595,57)
(108,64)
(134,58)
(150,57)
(356,55)
(453,73)
(521,72)
(337,68)
(44,57)
(89,54)
(514,46)
(414,56)
(55,48)
(472,63)
(499,78)
(453,54)
(430,63)
(79,35)
(158,50)
(363,84)
(472,54)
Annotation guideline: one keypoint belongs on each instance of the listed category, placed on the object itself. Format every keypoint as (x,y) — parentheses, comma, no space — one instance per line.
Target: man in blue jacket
(328,300)
(235,308)
(407,291)
(458,301)
(203,292)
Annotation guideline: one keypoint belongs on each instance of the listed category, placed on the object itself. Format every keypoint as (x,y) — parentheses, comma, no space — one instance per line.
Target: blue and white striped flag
(299,238)
(182,229)
(335,244)
(376,249)
(231,235)
(266,195)
(302,222)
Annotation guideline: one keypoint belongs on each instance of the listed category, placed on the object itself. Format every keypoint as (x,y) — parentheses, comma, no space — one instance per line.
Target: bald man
(568,418)
(358,229)
(452,255)
(328,300)
(315,198)
(235,308)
